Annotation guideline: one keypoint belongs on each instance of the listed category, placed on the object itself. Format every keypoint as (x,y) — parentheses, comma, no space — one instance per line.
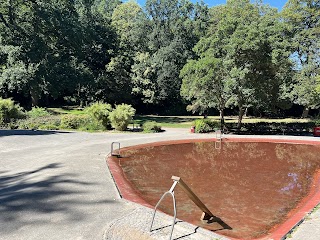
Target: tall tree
(171,29)
(203,85)
(51,48)
(303,26)
(126,20)
(245,37)
(106,7)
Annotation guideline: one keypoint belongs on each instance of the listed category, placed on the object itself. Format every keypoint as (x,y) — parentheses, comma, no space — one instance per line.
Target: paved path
(56,185)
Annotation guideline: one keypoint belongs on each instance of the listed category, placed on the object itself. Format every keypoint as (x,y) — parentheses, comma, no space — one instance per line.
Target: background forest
(164,58)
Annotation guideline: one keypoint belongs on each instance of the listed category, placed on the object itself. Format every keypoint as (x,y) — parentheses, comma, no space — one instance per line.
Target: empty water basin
(260,188)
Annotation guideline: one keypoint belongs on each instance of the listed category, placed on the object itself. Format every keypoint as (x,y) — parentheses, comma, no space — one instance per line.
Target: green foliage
(54,122)
(172,27)
(9,111)
(203,84)
(124,19)
(106,8)
(74,121)
(48,122)
(274,127)
(206,125)
(100,112)
(241,54)
(239,61)
(151,127)
(121,116)
(36,112)
(54,48)
(302,27)
(91,125)
(317,122)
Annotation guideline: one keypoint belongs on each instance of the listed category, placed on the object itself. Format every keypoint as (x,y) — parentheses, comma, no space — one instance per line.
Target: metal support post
(115,154)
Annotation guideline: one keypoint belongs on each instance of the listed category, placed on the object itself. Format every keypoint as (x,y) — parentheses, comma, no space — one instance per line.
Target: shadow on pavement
(37,197)
(4,133)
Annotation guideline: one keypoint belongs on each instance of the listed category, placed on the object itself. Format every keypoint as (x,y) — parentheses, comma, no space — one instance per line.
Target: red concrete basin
(261,188)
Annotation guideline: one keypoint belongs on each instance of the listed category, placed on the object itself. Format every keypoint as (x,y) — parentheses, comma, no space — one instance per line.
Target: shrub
(121,116)
(100,112)
(9,111)
(91,125)
(274,127)
(316,122)
(74,121)
(36,112)
(151,126)
(205,125)
(45,122)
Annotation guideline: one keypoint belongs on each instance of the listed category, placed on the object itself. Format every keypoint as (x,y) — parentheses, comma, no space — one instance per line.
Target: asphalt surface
(56,185)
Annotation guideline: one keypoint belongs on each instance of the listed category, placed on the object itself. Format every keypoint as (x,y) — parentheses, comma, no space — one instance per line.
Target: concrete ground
(56,185)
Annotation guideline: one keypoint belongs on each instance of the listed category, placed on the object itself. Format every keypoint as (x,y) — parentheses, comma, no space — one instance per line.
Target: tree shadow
(5,133)
(163,119)
(27,197)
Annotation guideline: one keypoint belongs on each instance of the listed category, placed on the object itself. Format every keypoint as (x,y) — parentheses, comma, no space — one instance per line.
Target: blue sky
(274,3)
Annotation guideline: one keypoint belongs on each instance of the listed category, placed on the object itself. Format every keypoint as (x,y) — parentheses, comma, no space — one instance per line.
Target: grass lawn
(186,121)
(180,121)
(75,111)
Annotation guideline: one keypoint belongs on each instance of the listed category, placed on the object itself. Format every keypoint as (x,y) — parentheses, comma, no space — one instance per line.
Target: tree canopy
(247,42)
(168,54)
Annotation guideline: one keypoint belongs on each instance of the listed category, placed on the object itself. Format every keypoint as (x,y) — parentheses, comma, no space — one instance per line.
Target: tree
(203,84)
(55,49)
(244,37)
(303,27)
(105,7)
(170,31)
(32,46)
(125,20)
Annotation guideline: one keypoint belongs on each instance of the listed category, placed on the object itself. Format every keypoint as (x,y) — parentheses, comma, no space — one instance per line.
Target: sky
(274,3)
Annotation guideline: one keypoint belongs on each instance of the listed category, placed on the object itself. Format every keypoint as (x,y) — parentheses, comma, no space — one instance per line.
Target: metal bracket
(206,214)
(217,143)
(115,154)
(171,192)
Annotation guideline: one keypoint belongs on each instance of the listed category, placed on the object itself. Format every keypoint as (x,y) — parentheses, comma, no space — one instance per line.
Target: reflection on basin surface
(252,186)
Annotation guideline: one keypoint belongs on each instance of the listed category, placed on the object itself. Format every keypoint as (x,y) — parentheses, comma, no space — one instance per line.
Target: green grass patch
(166,121)
(187,121)
(66,110)
(172,121)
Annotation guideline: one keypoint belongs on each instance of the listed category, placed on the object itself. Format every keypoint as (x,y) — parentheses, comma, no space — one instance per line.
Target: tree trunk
(305,112)
(240,117)
(222,118)
(34,98)
(246,112)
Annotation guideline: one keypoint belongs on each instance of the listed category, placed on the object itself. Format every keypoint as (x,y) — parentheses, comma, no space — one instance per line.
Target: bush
(42,123)
(91,125)
(9,111)
(100,112)
(74,121)
(274,127)
(36,112)
(316,122)
(205,125)
(121,116)
(151,126)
